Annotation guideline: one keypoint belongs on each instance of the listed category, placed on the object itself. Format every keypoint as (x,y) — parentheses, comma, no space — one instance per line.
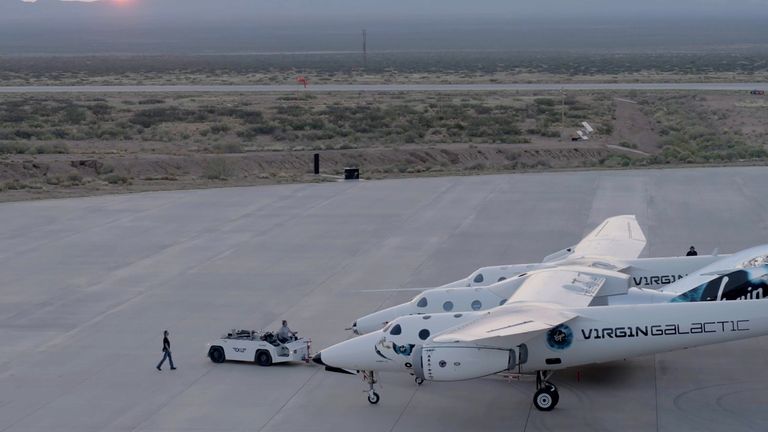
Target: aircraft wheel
(545,399)
(263,358)
(373,397)
(216,354)
(419,381)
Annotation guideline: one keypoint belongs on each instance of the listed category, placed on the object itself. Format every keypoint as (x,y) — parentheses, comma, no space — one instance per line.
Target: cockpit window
(396,330)
(422,302)
(479,278)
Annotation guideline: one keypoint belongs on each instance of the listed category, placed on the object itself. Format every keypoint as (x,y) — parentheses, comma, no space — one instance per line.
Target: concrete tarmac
(87,285)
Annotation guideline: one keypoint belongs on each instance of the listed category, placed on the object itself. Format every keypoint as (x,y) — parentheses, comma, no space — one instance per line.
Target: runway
(88,285)
(362,88)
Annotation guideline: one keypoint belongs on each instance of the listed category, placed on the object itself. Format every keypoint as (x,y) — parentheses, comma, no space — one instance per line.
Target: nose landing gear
(373,397)
(370,378)
(546,396)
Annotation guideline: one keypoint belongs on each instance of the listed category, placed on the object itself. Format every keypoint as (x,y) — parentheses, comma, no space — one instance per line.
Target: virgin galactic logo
(560,337)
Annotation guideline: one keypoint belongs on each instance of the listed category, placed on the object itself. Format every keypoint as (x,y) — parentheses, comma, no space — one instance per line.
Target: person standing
(692,252)
(166,352)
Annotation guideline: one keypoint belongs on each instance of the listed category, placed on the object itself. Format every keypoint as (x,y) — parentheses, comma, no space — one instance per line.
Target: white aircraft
(554,319)
(614,245)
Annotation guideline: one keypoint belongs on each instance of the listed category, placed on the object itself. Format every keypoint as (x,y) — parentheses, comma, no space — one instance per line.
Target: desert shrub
(73,115)
(220,128)
(218,169)
(230,147)
(151,101)
(74,178)
(544,102)
(49,148)
(616,161)
(154,116)
(13,148)
(100,109)
(254,131)
(116,179)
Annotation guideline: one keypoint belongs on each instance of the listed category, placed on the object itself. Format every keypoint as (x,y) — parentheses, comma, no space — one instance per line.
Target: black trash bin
(351,174)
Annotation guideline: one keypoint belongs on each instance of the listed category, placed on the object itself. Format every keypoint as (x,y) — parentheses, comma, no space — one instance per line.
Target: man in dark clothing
(166,352)
(692,252)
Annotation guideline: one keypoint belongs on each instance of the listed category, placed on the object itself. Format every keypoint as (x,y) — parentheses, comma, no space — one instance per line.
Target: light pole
(562,115)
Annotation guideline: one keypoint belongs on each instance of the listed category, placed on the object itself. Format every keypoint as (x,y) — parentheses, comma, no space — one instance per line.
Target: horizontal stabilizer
(618,237)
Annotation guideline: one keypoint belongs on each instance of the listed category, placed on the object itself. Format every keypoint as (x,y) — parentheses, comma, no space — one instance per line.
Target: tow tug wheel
(263,358)
(545,399)
(373,397)
(216,354)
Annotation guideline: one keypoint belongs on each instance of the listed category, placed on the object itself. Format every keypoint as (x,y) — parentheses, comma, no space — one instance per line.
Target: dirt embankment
(64,175)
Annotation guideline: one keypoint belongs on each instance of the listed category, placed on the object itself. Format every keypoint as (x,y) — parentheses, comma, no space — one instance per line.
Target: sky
(128,26)
(373,9)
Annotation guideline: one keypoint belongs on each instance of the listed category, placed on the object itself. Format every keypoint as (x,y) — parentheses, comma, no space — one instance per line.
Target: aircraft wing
(508,325)
(567,286)
(617,237)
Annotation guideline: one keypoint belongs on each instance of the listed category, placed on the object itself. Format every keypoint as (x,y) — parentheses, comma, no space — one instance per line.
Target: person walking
(166,352)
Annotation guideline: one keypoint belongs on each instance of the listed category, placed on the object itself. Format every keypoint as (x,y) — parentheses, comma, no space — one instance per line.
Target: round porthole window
(448,306)
(476,305)
(443,363)
(424,334)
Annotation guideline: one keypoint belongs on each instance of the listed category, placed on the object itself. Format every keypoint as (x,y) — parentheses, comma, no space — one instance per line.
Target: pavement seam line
(293,395)
(405,408)
(171,398)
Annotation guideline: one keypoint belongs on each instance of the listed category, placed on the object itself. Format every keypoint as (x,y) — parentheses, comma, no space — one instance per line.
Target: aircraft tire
(545,399)
(373,398)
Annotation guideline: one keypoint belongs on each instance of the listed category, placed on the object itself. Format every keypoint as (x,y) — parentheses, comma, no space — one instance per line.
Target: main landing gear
(546,396)
(370,378)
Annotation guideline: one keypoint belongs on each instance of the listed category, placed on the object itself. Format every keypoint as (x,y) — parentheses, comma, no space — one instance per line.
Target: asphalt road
(320,88)
(87,285)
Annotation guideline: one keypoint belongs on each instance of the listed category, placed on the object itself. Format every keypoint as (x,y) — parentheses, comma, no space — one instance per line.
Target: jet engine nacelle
(456,363)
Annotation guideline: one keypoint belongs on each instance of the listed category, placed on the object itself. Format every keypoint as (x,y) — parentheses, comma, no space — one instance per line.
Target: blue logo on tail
(747,284)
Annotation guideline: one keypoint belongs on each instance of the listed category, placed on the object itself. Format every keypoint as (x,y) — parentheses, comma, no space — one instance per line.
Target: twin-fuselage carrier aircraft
(590,303)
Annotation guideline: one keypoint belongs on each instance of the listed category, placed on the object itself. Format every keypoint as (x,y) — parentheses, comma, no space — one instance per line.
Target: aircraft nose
(358,353)
(318,358)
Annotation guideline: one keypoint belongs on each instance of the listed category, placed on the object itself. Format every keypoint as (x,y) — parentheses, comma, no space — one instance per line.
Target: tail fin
(742,284)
